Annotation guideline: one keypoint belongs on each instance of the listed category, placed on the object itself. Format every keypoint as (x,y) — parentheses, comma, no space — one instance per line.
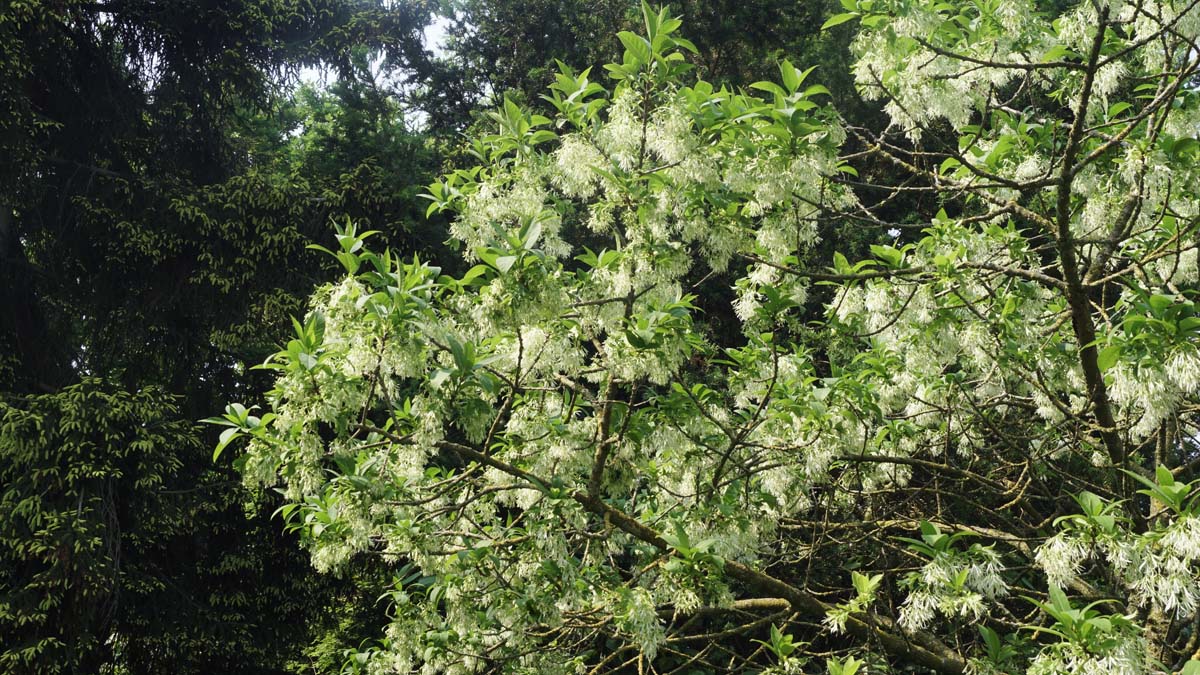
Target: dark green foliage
(159,175)
(226,594)
(161,182)
(356,613)
(502,47)
(510,47)
(121,549)
(83,473)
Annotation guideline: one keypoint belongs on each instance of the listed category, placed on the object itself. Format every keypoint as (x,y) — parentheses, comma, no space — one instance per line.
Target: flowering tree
(971,451)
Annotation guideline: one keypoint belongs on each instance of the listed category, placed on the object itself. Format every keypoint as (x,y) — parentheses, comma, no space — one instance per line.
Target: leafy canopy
(578,474)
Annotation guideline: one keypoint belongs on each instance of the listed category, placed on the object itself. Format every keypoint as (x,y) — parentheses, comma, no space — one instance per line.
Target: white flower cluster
(1127,656)
(1159,568)
(638,618)
(922,86)
(1150,394)
(955,584)
(1162,568)
(1061,557)
(506,202)
(576,161)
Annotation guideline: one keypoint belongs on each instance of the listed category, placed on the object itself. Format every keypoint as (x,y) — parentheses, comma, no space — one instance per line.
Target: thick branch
(1077,297)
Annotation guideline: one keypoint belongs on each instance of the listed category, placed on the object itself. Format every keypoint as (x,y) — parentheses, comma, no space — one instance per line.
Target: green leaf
(839,19)
(1118,108)
(769,87)
(308,361)
(227,437)
(849,666)
(1185,147)
(790,76)
(816,89)
(990,638)
(462,353)
(1163,475)
(439,377)
(531,234)
(1159,303)
(841,265)
(473,274)
(1107,357)
(888,254)
(687,44)
(1058,599)
(505,262)
(1058,53)
(635,45)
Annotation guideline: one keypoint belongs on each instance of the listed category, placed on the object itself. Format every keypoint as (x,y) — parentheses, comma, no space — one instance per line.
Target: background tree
(496,49)
(161,187)
(66,459)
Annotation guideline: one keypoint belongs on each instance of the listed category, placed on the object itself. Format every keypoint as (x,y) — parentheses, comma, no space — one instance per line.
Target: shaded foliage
(163,183)
(83,475)
(510,48)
